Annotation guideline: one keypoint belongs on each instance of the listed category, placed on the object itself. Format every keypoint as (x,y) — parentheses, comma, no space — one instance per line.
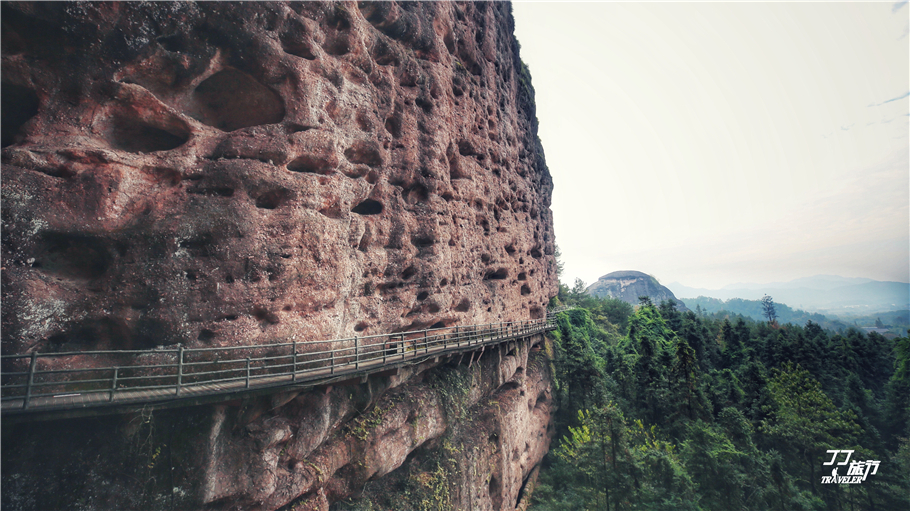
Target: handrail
(556,310)
(35,381)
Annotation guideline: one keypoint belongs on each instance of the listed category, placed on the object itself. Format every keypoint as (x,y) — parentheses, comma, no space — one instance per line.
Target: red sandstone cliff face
(462,436)
(234,173)
(217,174)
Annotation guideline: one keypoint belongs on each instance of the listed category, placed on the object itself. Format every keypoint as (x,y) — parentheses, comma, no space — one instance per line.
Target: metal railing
(556,310)
(53,380)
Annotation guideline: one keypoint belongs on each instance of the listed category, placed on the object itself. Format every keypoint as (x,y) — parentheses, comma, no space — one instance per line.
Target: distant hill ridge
(828,294)
(628,285)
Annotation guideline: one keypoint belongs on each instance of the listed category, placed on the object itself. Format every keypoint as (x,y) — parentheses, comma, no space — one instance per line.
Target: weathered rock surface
(629,285)
(216,174)
(466,434)
(233,173)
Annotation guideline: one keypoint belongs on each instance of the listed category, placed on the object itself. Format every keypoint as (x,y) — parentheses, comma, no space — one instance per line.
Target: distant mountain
(820,282)
(629,285)
(754,310)
(829,294)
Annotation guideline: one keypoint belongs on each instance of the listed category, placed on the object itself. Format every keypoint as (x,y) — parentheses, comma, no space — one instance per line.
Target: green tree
(685,380)
(560,265)
(805,419)
(767,305)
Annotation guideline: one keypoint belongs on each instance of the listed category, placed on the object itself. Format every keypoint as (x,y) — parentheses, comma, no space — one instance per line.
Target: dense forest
(896,322)
(660,409)
(753,309)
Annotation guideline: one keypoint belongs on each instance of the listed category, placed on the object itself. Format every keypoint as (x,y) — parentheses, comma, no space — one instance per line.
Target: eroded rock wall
(216,174)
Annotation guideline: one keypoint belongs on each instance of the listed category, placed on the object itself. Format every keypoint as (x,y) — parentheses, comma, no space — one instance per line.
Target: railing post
(179,369)
(385,349)
(356,353)
(402,347)
(31,379)
(247,372)
(294,377)
(114,383)
(332,368)
(426,343)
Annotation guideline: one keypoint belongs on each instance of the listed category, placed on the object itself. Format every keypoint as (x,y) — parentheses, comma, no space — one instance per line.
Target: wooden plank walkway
(409,351)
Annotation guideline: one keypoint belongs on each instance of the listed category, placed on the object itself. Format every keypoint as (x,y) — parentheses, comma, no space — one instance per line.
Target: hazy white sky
(714,143)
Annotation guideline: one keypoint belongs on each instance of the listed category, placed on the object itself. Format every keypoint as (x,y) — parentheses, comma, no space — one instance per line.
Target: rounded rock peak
(624,274)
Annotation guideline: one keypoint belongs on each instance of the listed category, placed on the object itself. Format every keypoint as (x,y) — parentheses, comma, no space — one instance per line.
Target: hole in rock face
(495,492)
(423,295)
(272,199)
(463,306)
(265,316)
(541,399)
(336,40)
(333,211)
(449,41)
(438,324)
(231,99)
(19,104)
(337,44)
(525,290)
(522,276)
(164,175)
(174,43)
(361,326)
(211,191)
(393,126)
(135,136)
(74,255)
(364,152)
(298,48)
(500,274)
(311,164)
(424,103)
(384,53)
(368,207)
(416,193)
(206,335)
(198,246)
(422,240)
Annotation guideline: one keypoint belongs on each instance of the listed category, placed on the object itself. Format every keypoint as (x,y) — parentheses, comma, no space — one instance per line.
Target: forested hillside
(753,309)
(667,410)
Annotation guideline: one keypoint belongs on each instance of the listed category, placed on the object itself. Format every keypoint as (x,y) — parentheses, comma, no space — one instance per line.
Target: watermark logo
(857,471)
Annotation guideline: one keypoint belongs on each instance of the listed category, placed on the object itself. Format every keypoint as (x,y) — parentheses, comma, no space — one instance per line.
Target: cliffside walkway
(37,383)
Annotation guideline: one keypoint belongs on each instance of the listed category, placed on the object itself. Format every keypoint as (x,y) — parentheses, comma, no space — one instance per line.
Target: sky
(715,143)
